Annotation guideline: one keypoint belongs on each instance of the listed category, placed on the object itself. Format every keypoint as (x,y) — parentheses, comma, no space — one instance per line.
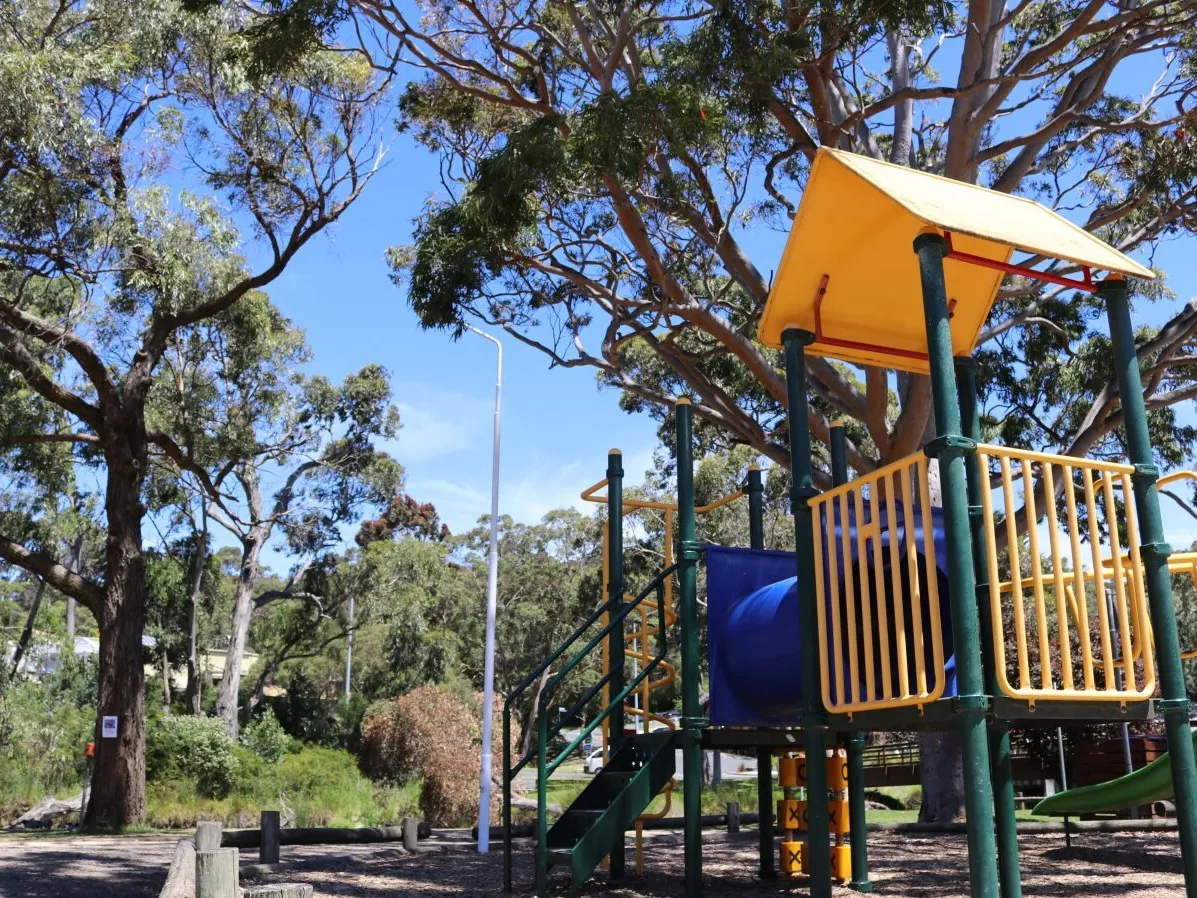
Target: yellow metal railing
(877,590)
(1063,647)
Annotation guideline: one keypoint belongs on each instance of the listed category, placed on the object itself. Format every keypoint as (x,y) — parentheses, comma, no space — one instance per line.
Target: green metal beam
(949,448)
(1154,551)
(692,720)
(764,757)
(615,642)
(814,722)
(854,743)
(999,733)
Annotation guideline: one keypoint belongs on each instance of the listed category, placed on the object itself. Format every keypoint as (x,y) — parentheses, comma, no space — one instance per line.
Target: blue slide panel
(753,639)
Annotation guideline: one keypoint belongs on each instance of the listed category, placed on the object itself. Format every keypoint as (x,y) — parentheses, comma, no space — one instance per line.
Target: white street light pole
(492,588)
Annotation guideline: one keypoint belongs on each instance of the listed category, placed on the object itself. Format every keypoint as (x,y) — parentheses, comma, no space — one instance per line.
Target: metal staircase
(637,770)
(599,816)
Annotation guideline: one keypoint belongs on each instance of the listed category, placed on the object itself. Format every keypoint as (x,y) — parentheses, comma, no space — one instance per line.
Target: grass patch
(318,786)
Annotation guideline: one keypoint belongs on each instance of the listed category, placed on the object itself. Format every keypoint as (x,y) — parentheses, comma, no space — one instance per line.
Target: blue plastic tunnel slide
(753,639)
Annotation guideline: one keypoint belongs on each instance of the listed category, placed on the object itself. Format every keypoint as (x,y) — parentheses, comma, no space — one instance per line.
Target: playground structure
(894,612)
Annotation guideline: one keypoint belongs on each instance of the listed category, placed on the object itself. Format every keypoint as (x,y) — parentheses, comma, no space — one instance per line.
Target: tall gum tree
(106,107)
(608,168)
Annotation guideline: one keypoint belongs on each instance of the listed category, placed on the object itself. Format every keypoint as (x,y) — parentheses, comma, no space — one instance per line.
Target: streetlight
(492,588)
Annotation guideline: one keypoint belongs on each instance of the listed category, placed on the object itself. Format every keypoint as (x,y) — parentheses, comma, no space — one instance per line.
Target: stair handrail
(657,586)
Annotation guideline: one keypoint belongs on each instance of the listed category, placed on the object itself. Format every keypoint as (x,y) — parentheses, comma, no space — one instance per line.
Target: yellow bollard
(841,863)
(837,771)
(792,860)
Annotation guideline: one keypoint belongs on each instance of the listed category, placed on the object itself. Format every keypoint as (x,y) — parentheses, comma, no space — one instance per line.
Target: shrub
(266,738)
(433,733)
(195,748)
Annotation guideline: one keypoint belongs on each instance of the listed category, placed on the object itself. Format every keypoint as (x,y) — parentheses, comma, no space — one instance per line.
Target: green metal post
(615,644)
(949,448)
(764,756)
(1154,551)
(814,721)
(854,743)
(692,720)
(542,803)
(999,733)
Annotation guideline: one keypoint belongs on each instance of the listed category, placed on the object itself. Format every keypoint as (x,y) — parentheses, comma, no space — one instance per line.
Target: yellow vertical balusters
(1078,571)
(1028,493)
(880,594)
(1016,593)
(866,604)
(1141,626)
(1053,536)
(895,570)
(1120,607)
(830,576)
(845,563)
(932,567)
(1103,617)
(916,591)
(995,587)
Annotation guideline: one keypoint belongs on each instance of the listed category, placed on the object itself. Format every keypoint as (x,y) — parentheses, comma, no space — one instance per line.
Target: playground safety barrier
(1066,642)
(877,651)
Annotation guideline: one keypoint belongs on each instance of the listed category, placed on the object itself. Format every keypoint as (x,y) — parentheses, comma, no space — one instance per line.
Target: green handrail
(545,767)
(657,586)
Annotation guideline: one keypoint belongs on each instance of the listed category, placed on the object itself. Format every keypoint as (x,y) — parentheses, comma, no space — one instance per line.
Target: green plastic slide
(1148,784)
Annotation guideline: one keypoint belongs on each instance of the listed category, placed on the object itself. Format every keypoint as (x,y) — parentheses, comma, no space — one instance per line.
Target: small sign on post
(108,727)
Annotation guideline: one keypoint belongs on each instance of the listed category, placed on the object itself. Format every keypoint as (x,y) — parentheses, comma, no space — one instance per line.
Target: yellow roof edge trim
(1104,257)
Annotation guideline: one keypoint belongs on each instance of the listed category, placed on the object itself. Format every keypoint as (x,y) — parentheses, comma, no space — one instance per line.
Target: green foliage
(195,748)
(44,727)
(266,738)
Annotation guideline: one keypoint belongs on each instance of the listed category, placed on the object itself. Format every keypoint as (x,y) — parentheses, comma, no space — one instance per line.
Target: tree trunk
(530,724)
(118,780)
(243,609)
(942,772)
(194,698)
(165,682)
(30,621)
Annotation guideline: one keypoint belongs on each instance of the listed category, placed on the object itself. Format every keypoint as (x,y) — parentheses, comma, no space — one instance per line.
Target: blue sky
(557,424)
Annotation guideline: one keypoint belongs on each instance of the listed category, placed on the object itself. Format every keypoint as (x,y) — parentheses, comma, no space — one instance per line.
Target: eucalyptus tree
(149,180)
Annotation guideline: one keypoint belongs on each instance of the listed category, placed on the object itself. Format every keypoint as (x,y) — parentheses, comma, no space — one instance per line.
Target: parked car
(594,761)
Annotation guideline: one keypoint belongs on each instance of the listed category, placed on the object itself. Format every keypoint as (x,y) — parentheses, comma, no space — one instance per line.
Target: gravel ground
(1098,865)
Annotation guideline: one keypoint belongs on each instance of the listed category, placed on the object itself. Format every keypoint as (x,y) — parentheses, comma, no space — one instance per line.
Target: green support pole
(999,734)
(814,721)
(692,720)
(854,743)
(542,803)
(1154,551)
(949,447)
(615,593)
(764,756)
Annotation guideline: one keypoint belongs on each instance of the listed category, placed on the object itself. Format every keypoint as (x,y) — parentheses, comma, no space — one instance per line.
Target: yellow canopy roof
(849,272)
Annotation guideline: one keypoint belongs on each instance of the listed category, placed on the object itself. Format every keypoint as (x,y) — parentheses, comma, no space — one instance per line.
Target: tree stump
(216,873)
(411,833)
(733,816)
(207,835)
(271,836)
(280,890)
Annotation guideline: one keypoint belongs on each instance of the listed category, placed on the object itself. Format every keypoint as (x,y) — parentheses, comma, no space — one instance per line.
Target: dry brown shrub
(434,733)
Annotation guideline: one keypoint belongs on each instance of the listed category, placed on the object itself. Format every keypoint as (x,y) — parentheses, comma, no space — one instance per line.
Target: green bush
(195,748)
(266,738)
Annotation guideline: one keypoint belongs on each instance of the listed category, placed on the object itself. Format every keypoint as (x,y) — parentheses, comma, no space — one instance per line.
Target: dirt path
(1099,865)
(84,867)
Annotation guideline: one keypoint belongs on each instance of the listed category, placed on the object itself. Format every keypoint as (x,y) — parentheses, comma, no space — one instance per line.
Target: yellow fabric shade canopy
(849,272)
